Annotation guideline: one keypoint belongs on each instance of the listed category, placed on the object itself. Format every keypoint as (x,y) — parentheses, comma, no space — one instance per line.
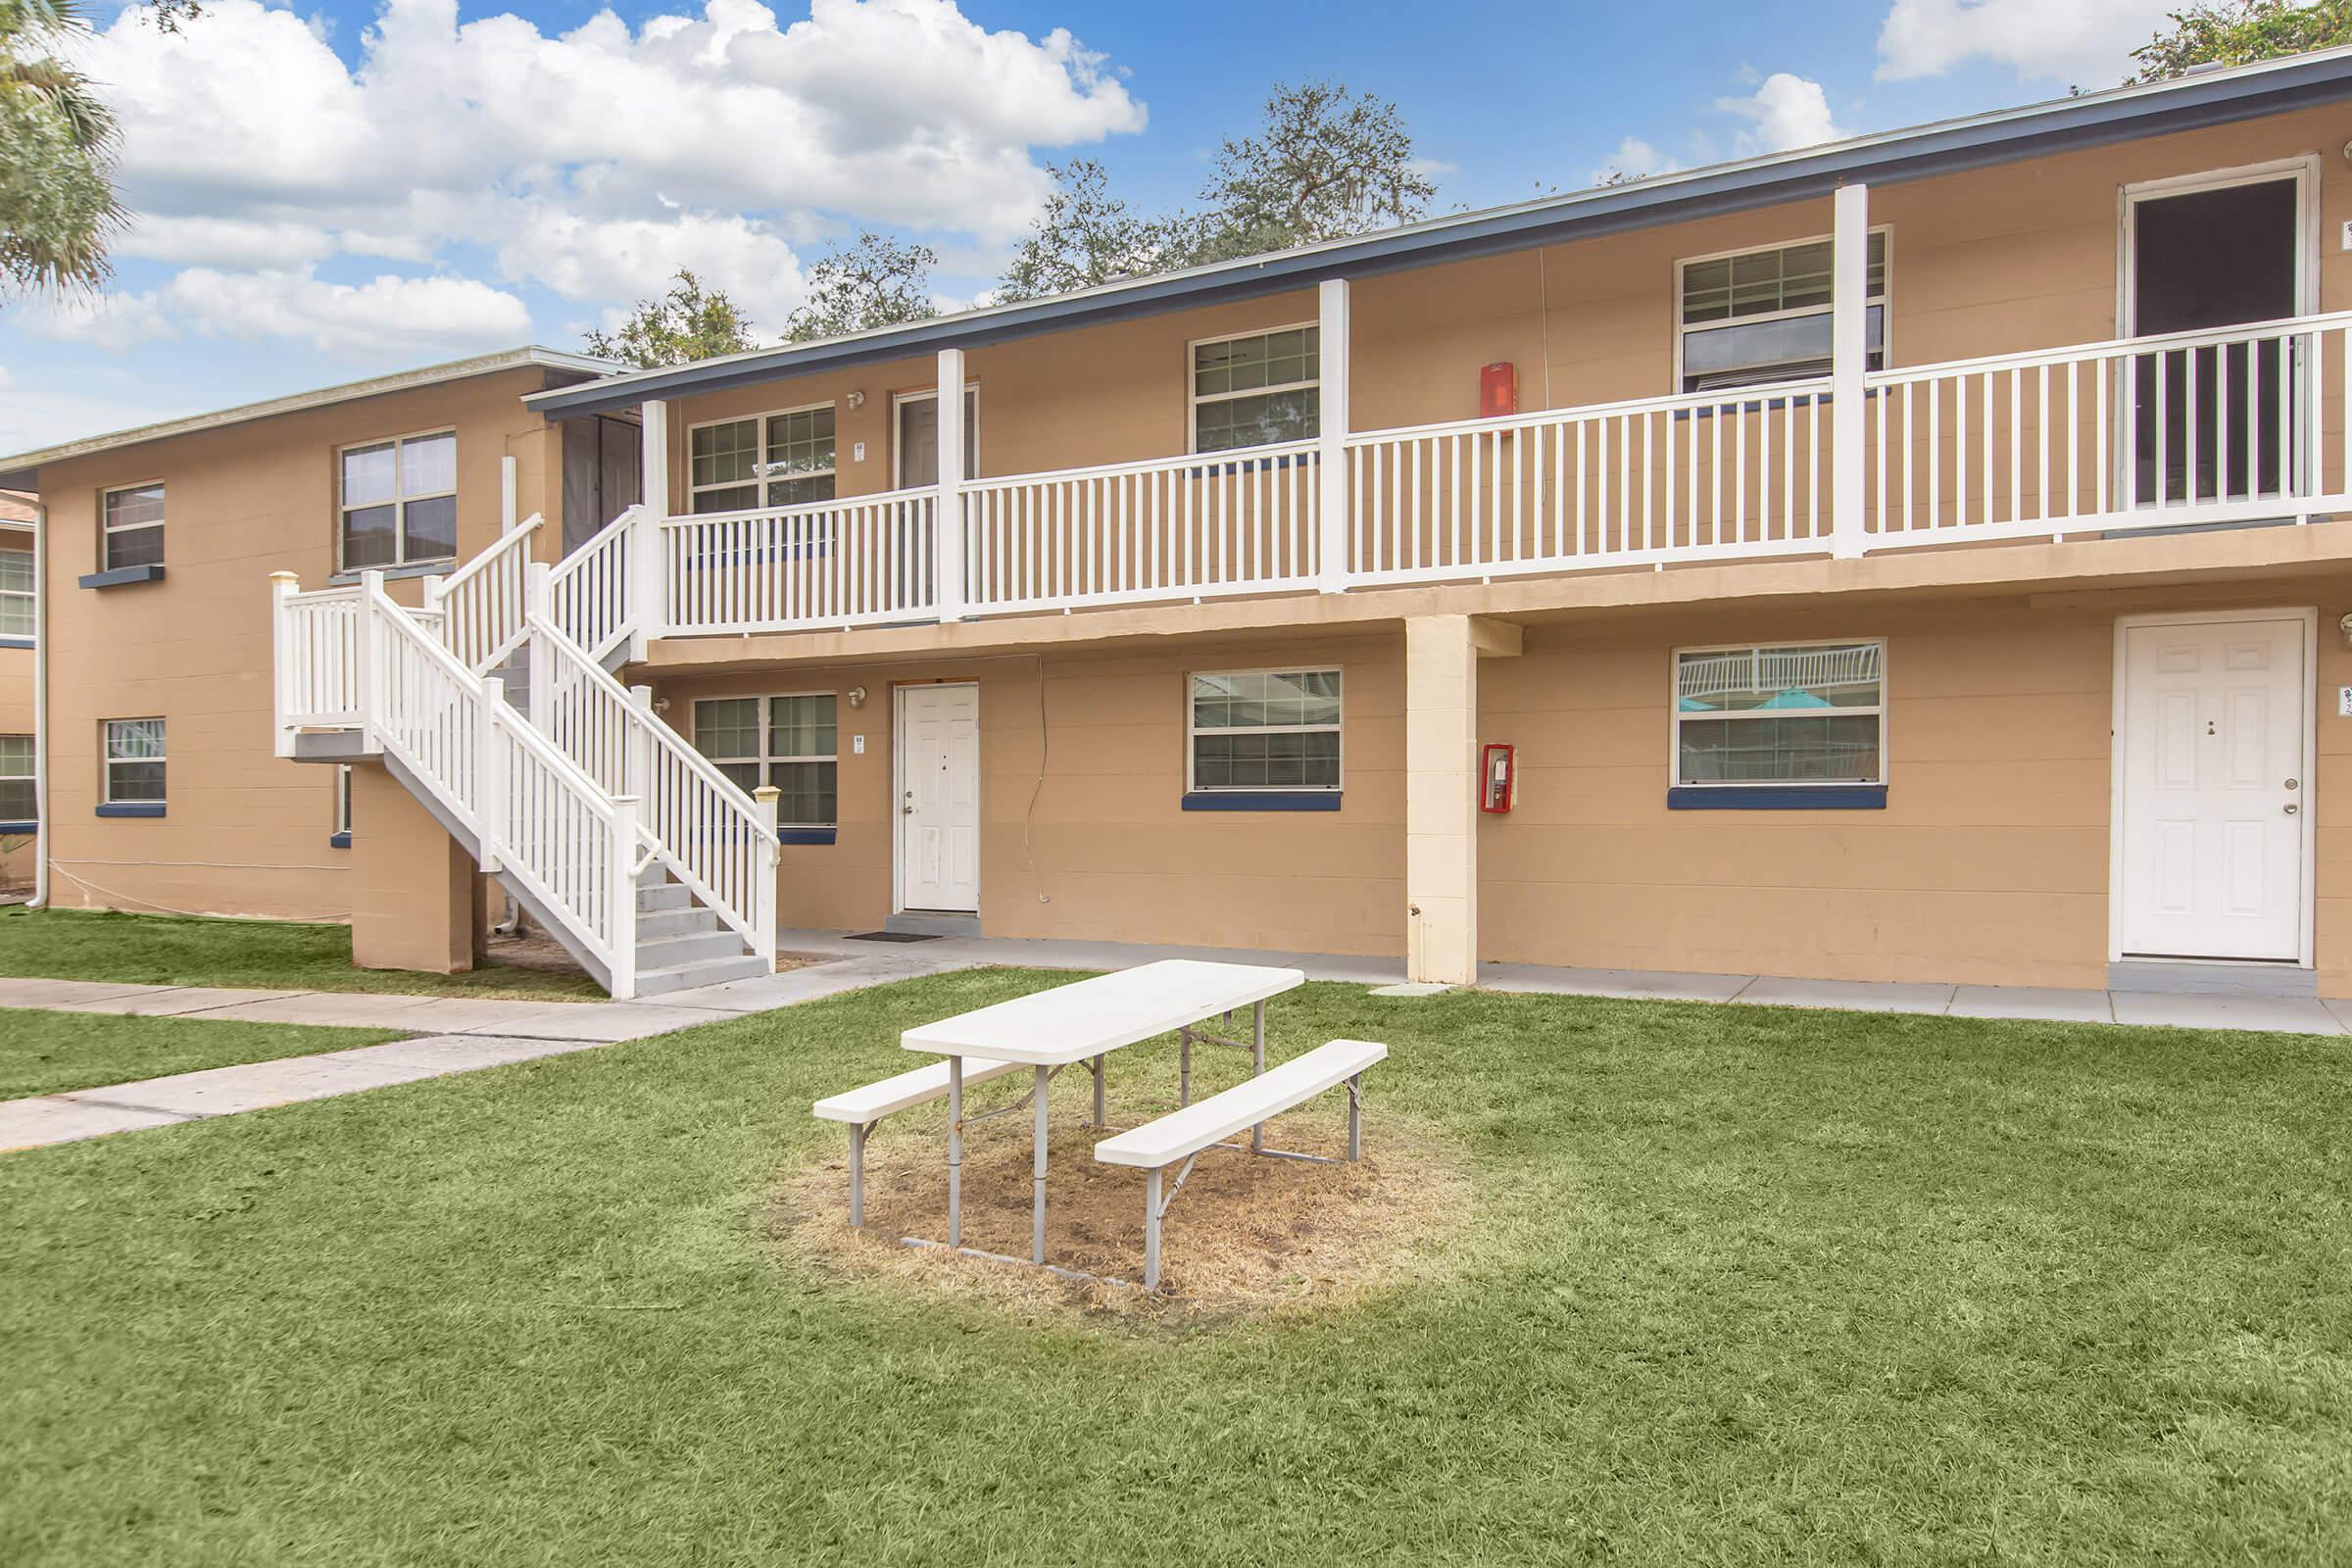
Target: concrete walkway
(2186,1011)
(452,1034)
(458,1034)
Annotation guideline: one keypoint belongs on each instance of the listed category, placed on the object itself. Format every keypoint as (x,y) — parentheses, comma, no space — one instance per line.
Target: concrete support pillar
(413,887)
(1440,799)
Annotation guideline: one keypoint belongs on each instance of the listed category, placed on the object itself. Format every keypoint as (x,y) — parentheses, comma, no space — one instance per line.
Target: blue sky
(332,193)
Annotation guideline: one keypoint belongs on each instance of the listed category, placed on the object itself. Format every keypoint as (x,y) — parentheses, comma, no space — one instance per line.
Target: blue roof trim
(1947,147)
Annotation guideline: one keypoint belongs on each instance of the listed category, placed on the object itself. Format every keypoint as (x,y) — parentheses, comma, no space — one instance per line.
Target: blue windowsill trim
(805,835)
(339,841)
(16,642)
(130,809)
(1262,801)
(421,568)
(123,576)
(18,830)
(1777,798)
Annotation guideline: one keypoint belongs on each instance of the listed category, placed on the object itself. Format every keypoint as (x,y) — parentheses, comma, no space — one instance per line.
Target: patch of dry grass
(1246,1235)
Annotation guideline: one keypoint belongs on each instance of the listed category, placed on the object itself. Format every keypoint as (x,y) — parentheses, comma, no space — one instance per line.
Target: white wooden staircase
(652,867)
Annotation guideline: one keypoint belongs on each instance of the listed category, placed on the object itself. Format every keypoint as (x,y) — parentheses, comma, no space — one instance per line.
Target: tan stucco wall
(2018,257)
(245,832)
(1107,853)
(1988,864)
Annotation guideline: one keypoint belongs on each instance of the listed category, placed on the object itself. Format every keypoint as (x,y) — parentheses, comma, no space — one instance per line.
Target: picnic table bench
(1086,1021)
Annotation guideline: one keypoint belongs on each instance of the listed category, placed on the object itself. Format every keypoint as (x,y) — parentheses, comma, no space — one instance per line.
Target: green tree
(1328,163)
(58,210)
(2219,32)
(689,322)
(874,282)
(1086,236)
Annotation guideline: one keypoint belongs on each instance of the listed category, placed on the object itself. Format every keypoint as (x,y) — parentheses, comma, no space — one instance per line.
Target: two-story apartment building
(162,787)
(1917,558)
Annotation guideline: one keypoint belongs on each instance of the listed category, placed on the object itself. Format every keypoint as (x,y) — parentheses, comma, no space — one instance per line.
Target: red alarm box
(1498,778)
(1497,390)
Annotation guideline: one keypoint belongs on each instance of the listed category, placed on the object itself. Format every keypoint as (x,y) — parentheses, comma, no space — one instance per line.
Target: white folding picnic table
(1085,1022)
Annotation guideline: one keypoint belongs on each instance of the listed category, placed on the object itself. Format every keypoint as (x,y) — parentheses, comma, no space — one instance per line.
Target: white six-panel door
(939,798)
(2210,748)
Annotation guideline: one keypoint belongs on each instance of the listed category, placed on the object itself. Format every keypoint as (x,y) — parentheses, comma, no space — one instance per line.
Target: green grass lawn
(43,1052)
(169,950)
(1752,1286)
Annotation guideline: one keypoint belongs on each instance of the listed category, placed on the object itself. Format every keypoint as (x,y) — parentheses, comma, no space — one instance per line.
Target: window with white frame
(399,502)
(18,617)
(788,741)
(1758,317)
(771,460)
(1265,730)
(135,761)
(1796,714)
(132,522)
(17,800)
(1257,389)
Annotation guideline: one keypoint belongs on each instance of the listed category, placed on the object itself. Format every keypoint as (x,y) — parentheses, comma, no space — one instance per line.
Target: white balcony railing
(853,563)
(2238,424)
(1131,532)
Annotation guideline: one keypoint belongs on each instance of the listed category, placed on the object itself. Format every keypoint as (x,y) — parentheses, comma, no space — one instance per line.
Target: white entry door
(2213,796)
(939,798)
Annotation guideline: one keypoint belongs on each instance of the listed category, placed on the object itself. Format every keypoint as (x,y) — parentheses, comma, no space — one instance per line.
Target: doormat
(892,936)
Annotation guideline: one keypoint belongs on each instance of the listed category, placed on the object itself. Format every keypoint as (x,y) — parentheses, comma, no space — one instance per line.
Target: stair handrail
(482,601)
(474,778)
(694,817)
(590,588)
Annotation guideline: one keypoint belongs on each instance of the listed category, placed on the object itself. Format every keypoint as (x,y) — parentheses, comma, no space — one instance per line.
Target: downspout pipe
(40,703)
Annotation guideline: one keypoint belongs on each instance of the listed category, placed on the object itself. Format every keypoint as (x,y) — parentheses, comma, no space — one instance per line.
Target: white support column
(507,504)
(283,585)
(1849,348)
(1331,499)
(644,604)
(539,696)
(493,795)
(364,658)
(1440,799)
(949,569)
(623,897)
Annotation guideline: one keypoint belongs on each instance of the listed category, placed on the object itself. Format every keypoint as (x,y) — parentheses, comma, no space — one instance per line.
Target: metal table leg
(1096,1065)
(1037,1162)
(1257,1055)
(1184,1067)
(954,1150)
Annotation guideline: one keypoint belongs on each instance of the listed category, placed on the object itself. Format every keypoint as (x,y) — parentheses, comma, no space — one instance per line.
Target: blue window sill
(131,808)
(426,568)
(338,841)
(1262,801)
(1777,798)
(123,576)
(16,642)
(805,835)
(18,830)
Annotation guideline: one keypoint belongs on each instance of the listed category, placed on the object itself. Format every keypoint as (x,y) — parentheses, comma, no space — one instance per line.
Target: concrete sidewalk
(2180,1010)
(452,1034)
(458,1034)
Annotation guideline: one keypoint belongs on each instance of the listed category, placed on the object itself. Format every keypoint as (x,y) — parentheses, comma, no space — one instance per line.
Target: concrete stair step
(702,973)
(692,920)
(666,895)
(662,952)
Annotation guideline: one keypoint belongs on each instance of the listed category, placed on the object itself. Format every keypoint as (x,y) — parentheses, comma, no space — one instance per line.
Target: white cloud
(225,241)
(108,320)
(620,260)
(386,316)
(2085,41)
(1634,158)
(1784,112)
(593,163)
